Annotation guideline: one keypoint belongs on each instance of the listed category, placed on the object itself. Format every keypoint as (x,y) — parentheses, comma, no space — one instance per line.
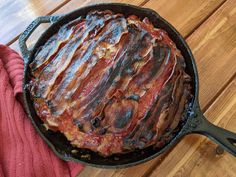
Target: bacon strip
(111,84)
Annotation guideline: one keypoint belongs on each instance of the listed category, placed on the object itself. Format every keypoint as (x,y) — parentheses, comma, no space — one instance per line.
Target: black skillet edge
(63,149)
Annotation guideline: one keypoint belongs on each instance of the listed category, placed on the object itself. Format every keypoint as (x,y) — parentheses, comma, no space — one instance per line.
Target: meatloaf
(110,83)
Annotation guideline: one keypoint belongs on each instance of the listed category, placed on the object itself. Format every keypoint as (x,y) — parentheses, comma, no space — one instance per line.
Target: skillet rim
(146,12)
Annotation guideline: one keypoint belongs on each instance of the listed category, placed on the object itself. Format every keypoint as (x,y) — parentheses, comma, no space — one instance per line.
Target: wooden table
(209,27)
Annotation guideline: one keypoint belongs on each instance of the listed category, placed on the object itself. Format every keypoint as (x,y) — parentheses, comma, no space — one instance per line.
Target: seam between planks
(58,7)
(205,19)
(219,92)
(143,3)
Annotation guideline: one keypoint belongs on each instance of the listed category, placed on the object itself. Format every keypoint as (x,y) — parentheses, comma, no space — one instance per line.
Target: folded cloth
(22,152)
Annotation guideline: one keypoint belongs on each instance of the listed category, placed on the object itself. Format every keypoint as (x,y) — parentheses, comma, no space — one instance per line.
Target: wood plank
(201,159)
(184,15)
(16,15)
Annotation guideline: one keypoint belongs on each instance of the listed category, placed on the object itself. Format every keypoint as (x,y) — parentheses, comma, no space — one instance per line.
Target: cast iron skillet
(195,121)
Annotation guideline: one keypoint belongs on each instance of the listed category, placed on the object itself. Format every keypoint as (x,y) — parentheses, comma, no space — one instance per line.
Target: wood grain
(16,15)
(201,159)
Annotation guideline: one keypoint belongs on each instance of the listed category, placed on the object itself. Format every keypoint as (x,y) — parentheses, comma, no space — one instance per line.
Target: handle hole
(232,141)
(36,34)
(219,150)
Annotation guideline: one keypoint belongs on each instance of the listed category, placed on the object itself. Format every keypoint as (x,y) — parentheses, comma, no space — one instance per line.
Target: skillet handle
(223,137)
(29,30)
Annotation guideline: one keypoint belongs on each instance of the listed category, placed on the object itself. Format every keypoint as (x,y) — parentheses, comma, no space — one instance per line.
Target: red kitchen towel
(22,152)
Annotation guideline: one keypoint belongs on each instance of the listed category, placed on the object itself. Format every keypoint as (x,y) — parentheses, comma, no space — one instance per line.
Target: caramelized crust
(110,83)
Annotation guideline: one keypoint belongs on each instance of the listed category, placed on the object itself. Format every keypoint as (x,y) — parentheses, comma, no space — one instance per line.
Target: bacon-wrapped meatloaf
(110,83)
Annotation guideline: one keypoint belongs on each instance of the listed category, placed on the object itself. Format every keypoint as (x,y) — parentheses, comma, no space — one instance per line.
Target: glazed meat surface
(110,83)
